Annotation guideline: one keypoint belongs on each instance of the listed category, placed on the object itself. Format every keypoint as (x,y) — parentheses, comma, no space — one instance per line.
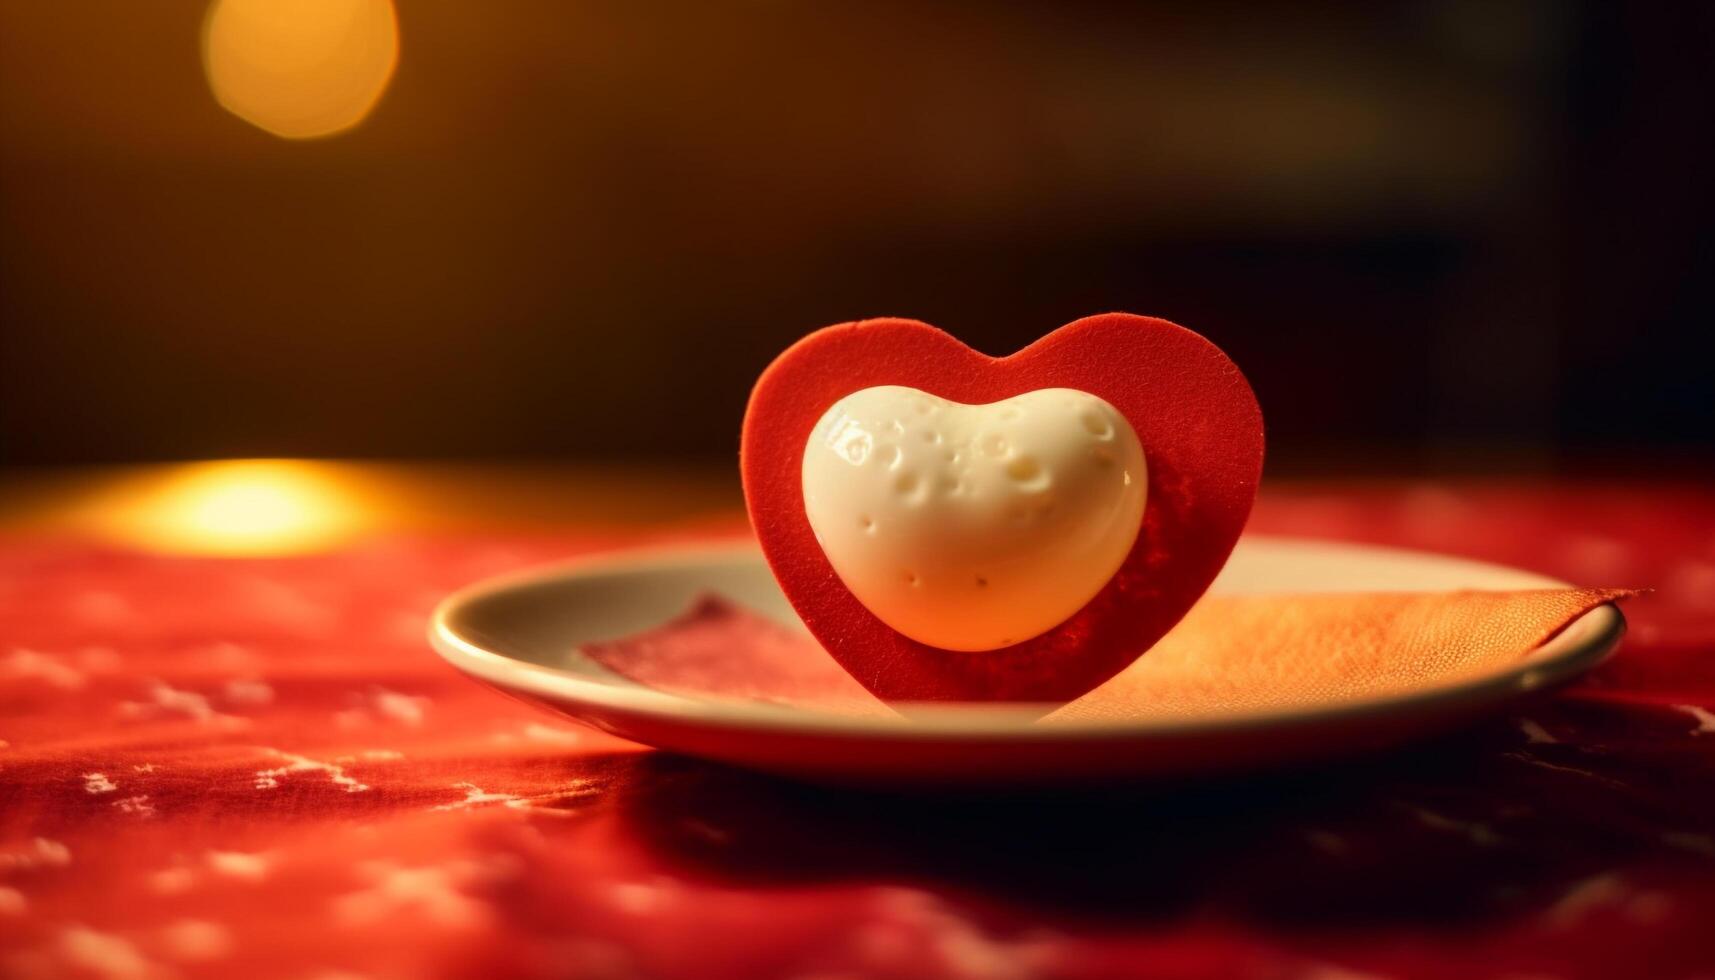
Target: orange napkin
(1230,655)
(1254,654)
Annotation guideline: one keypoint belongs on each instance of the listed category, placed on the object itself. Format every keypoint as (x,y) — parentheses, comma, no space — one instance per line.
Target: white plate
(521,634)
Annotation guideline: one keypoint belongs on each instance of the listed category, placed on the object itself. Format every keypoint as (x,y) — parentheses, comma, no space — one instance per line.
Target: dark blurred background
(1466,235)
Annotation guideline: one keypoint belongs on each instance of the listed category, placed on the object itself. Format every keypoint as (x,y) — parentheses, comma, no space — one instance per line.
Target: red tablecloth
(247,767)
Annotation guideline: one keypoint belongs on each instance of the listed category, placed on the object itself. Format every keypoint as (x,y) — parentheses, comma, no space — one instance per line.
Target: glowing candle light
(238,507)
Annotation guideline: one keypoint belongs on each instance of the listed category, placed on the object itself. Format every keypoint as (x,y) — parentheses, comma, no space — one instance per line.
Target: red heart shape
(1202,436)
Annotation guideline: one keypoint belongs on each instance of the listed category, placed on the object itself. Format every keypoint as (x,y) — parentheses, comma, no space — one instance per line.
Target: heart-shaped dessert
(885,449)
(974,527)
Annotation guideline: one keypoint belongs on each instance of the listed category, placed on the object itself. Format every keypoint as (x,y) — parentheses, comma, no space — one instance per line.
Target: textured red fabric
(236,767)
(1192,409)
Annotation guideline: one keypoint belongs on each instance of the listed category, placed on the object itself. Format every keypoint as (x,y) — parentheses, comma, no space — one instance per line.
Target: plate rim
(1580,645)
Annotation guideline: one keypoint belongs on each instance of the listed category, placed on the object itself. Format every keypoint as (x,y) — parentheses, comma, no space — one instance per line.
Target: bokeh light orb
(300,68)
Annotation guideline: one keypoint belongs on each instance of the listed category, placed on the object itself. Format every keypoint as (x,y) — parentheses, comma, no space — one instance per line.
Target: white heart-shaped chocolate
(974,527)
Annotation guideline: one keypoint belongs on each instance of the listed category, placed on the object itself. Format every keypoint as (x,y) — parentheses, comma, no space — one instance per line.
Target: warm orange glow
(300,68)
(238,507)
